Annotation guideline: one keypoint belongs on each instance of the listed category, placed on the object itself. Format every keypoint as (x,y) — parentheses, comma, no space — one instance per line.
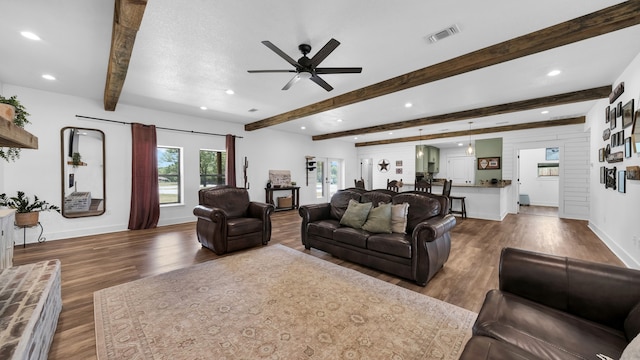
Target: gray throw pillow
(399,214)
(379,219)
(356,214)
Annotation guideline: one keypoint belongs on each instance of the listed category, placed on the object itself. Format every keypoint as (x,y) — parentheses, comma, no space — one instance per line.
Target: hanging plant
(76,159)
(20,120)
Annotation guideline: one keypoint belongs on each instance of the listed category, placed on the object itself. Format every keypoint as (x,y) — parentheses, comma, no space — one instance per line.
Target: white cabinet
(461,170)
(7,218)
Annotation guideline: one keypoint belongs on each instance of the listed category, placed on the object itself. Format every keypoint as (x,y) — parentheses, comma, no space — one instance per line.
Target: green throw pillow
(356,214)
(379,219)
(399,214)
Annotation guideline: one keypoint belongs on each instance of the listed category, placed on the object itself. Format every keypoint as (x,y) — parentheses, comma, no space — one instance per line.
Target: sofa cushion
(421,208)
(484,348)
(241,226)
(379,219)
(375,197)
(356,214)
(392,244)
(399,214)
(351,236)
(545,332)
(323,228)
(632,351)
(340,202)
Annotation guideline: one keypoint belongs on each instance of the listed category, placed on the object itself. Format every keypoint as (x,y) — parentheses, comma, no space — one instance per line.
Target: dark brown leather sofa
(417,255)
(550,307)
(229,221)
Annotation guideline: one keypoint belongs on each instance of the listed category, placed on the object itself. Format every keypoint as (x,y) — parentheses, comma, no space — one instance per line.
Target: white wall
(614,215)
(542,190)
(39,171)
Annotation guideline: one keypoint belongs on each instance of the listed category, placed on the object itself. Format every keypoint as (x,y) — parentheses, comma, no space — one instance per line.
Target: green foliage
(12,154)
(23,204)
(170,158)
(76,159)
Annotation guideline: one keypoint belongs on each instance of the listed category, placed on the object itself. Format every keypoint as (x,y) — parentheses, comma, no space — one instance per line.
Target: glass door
(329,178)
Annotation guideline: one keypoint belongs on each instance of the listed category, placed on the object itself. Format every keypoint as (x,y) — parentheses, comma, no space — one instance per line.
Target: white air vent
(442,34)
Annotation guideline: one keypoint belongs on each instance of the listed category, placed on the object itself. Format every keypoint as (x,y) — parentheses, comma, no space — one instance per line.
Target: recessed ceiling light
(29,35)
(390,133)
(48,77)
(339,120)
(230,92)
(554,73)
(408,105)
(203,108)
(544,112)
(460,144)
(355,138)
(303,127)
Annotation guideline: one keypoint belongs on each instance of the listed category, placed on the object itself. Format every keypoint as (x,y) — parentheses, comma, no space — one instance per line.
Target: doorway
(366,172)
(329,178)
(538,181)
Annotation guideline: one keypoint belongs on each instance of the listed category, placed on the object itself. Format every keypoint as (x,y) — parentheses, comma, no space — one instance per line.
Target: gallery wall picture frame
(612,119)
(398,170)
(552,153)
(622,181)
(619,109)
(627,147)
(603,174)
(610,180)
(489,163)
(398,162)
(627,114)
(633,172)
(606,134)
(601,155)
(607,110)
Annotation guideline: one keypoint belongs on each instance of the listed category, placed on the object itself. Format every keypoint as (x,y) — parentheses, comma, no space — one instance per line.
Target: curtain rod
(157,127)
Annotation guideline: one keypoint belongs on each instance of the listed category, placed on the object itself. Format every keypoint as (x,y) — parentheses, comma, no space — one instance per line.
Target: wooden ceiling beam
(490,130)
(127,18)
(601,22)
(553,100)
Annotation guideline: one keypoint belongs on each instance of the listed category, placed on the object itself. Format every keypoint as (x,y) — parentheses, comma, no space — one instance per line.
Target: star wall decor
(383,165)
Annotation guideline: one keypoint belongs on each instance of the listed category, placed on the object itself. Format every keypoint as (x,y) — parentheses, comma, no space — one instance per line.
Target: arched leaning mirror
(83,177)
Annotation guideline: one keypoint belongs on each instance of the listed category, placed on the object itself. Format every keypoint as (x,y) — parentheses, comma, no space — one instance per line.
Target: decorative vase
(27,219)
(8,112)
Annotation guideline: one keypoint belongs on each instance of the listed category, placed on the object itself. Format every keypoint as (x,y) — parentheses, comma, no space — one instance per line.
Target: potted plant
(27,211)
(19,119)
(76,159)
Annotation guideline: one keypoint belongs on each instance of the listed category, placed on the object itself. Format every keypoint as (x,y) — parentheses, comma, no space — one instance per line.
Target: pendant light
(470,148)
(420,152)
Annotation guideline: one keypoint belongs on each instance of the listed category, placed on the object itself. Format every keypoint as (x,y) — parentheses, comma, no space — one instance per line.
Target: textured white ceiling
(187,53)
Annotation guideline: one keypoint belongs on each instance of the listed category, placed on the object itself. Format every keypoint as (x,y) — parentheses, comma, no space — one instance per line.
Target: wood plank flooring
(96,262)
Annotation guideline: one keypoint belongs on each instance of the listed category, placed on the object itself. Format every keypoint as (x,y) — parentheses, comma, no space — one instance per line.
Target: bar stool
(463,206)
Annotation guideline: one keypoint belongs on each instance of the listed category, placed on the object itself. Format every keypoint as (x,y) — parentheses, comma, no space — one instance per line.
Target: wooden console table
(295,197)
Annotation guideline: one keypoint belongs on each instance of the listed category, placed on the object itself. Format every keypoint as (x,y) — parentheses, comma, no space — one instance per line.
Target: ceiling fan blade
(324,52)
(293,80)
(271,71)
(316,79)
(340,70)
(282,54)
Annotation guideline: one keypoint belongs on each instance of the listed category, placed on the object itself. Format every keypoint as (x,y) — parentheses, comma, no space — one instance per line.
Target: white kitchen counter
(488,202)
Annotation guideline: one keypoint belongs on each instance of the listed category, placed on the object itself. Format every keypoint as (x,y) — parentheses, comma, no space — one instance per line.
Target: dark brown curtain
(231,160)
(145,201)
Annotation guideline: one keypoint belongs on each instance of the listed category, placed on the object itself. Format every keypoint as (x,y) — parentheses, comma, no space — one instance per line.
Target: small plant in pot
(27,211)
(20,120)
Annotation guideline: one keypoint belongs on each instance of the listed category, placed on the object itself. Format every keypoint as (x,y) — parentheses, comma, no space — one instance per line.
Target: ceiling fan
(307,68)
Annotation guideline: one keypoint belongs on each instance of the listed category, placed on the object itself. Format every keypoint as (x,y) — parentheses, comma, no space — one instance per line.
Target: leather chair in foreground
(551,307)
(229,221)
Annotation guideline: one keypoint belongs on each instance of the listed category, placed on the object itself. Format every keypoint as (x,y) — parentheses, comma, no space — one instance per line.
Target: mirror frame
(64,163)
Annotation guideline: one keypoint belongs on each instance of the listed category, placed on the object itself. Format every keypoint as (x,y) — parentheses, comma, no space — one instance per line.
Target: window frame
(180,175)
(224,168)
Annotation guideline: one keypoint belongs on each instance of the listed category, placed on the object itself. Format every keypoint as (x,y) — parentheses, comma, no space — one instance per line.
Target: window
(169,175)
(548,169)
(212,168)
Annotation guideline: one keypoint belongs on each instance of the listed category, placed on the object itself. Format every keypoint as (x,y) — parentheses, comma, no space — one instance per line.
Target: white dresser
(7,219)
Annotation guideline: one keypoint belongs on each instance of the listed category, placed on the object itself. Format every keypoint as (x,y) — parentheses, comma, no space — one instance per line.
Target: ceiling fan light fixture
(304,75)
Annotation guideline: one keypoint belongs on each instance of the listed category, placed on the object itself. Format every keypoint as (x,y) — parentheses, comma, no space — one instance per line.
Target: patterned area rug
(274,303)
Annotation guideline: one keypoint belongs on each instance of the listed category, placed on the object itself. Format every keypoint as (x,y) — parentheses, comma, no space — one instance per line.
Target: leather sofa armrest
(434,228)
(315,212)
(598,292)
(260,210)
(210,213)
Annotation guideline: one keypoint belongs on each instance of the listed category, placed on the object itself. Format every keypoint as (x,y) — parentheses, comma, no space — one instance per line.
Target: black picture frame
(489,163)
(603,174)
(612,119)
(610,179)
(607,110)
(627,114)
(606,134)
(601,155)
(627,147)
(619,109)
(622,181)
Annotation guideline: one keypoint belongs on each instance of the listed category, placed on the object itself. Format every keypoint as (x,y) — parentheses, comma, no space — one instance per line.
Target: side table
(295,196)
(24,233)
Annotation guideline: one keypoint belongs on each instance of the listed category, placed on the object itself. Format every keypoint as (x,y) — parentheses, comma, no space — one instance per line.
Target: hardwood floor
(96,262)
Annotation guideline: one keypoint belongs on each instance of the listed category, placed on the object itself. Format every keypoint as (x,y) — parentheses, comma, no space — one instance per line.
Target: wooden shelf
(14,136)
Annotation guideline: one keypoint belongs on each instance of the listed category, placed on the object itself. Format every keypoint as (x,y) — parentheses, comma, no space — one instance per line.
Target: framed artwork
(606,134)
(552,154)
(619,109)
(612,119)
(606,114)
(383,165)
(627,147)
(489,163)
(601,154)
(603,174)
(398,170)
(610,180)
(622,178)
(627,114)
(398,162)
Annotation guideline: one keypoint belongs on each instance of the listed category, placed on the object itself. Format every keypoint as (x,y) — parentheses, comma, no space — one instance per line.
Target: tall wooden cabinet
(7,218)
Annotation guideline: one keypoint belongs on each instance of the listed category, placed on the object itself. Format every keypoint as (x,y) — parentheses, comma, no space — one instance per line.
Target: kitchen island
(483,201)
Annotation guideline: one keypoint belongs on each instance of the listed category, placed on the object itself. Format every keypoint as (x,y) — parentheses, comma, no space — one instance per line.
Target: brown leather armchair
(229,221)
